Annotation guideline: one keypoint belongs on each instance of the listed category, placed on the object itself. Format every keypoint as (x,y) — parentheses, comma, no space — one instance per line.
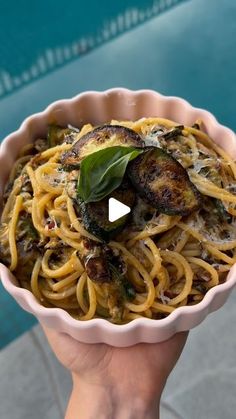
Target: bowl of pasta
(159,269)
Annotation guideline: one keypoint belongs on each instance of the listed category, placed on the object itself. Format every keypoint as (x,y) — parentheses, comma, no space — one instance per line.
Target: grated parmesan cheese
(151,140)
(73,128)
(164,298)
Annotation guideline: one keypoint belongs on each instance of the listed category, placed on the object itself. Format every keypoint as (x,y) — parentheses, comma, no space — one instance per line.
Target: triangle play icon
(116,209)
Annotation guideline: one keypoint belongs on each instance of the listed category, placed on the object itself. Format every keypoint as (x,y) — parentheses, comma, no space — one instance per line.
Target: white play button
(116,209)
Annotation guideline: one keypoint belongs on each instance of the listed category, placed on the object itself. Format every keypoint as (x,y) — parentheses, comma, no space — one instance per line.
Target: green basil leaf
(102,172)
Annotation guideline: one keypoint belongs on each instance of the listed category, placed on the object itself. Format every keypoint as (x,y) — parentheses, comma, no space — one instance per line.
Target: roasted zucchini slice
(174,132)
(125,286)
(223,214)
(101,137)
(95,214)
(106,269)
(58,135)
(214,212)
(103,267)
(97,269)
(94,256)
(163,182)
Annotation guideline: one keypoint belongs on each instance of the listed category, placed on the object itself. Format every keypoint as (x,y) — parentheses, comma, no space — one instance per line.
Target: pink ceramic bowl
(97,108)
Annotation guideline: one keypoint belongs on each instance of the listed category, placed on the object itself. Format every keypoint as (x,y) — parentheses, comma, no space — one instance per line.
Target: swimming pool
(37,39)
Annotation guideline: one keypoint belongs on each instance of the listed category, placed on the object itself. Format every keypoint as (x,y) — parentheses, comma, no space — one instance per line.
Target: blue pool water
(37,38)
(13,320)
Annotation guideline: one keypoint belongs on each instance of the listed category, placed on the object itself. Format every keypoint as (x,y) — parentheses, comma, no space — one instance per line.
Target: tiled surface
(202,386)
(33,384)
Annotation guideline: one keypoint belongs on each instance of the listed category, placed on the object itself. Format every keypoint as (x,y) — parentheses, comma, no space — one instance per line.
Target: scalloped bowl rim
(42,312)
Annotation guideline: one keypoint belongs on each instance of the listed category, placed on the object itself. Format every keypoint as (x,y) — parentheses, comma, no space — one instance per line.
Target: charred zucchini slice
(97,269)
(103,268)
(95,214)
(94,256)
(101,137)
(214,212)
(163,182)
(108,270)
(126,287)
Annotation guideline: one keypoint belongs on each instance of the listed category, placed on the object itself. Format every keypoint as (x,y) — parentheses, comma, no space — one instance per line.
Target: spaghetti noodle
(169,260)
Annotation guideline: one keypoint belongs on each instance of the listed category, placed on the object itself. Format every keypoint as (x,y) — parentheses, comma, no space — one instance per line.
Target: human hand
(111,382)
